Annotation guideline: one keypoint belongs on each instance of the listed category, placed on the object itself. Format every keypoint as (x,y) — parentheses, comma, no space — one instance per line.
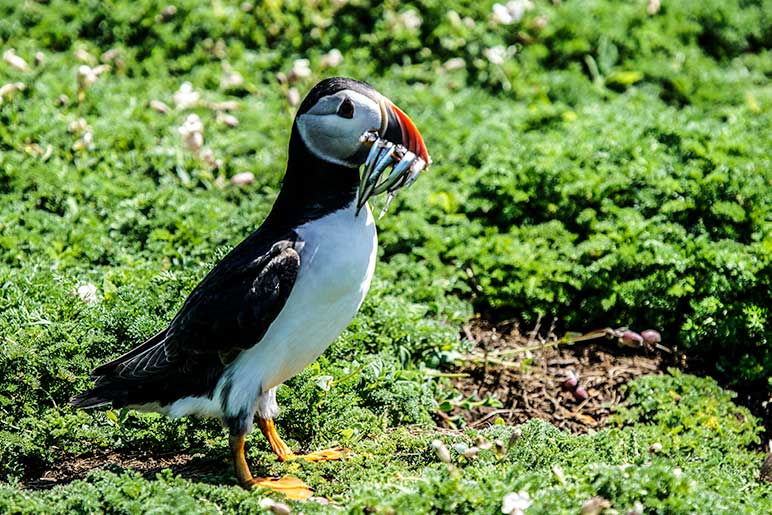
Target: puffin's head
(337,111)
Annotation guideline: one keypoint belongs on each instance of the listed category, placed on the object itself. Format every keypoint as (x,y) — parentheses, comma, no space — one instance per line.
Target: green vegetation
(594,163)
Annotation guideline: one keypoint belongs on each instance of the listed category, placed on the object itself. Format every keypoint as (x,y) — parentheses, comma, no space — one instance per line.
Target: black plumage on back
(229,311)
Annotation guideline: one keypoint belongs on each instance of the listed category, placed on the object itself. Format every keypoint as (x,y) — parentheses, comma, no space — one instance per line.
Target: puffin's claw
(290,486)
(332,454)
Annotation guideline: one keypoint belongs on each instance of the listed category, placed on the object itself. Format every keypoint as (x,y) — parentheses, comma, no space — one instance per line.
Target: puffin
(276,301)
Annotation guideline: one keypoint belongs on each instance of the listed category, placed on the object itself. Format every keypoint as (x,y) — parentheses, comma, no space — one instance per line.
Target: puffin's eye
(346,109)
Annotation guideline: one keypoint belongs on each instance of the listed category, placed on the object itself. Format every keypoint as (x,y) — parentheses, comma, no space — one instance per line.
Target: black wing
(229,311)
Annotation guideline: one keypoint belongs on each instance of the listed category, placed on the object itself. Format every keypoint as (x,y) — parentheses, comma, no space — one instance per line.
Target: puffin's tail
(93,398)
(107,391)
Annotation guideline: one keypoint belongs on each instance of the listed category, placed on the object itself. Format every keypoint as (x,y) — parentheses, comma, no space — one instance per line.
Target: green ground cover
(593,163)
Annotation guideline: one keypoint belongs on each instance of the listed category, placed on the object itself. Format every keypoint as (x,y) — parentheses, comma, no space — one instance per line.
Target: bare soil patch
(527,373)
(70,469)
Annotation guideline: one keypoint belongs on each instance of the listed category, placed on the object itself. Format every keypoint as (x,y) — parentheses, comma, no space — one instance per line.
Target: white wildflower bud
(85,292)
(63,100)
(110,55)
(655,448)
(186,97)
(192,132)
(459,447)
(331,59)
(652,7)
(455,63)
(243,179)
(231,80)
(515,503)
(279,508)
(228,119)
(651,336)
(410,20)
(8,90)
(10,57)
(595,506)
(293,97)
(225,105)
(517,434)
(40,58)
(77,126)
(168,12)
(84,57)
(301,69)
(482,443)
(442,452)
(157,105)
(496,55)
(87,76)
(559,474)
(209,158)
(501,15)
(471,453)
(86,141)
(631,339)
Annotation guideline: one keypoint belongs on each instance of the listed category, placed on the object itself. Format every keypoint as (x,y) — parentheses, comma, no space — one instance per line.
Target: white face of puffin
(332,128)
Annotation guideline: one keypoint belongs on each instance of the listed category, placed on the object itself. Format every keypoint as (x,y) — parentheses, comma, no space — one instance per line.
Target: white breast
(337,262)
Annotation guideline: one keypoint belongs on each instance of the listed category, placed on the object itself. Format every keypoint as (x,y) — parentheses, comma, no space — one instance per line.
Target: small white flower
(84,57)
(228,119)
(410,19)
(442,452)
(243,178)
(8,90)
(516,503)
(77,126)
(231,79)
(301,69)
(208,157)
(10,57)
(86,141)
(40,58)
(518,8)
(677,472)
(192,132)
(157,105)
(332,58)
(276,507)
(186,97)
(496,55)
(652,7)
(86,292)
(460,447)
(501,15)
(455,63)
(87,76)
(293,96)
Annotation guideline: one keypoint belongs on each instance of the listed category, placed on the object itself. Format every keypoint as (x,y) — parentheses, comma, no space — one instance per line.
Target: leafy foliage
(593,162)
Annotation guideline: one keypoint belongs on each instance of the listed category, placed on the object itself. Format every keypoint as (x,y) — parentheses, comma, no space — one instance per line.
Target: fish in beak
(397,145)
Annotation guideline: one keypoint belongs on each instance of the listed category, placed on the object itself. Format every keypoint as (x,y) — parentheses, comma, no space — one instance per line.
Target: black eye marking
(346,109)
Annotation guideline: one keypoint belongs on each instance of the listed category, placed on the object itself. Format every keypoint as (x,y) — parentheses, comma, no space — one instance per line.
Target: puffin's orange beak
(401,129)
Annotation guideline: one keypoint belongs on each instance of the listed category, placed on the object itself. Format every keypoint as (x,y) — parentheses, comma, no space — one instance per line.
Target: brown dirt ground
(70,469)
(525,372)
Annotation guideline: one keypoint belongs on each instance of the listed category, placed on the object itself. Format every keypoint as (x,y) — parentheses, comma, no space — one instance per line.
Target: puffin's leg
(284,453)
(290,486)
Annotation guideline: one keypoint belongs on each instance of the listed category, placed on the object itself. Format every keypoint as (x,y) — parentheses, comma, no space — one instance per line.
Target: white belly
(337,263)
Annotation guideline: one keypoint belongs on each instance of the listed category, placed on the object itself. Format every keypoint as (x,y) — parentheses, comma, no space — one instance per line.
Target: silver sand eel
(383,153)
